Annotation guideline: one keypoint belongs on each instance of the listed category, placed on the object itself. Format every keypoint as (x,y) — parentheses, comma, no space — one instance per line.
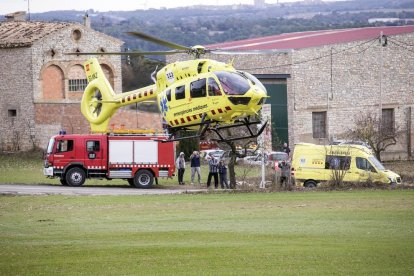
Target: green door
(278,101)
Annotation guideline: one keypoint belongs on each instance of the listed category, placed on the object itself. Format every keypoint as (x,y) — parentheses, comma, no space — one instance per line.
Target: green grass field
(353,232)
(27,168)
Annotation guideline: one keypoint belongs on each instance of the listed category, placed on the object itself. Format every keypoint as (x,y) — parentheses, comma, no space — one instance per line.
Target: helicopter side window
(233,83)
(198,88)
(213,88)
(180,92)
(168,94)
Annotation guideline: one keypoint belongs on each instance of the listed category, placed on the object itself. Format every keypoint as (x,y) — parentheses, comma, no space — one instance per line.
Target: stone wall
(346,81)
(16,94)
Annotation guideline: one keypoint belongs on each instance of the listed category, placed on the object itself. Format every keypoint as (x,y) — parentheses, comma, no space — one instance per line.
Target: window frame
(344,162)
(181,93)
(369,168)
(69,145)
(217,91)
(198,92)
(168,95)
(77,85)
(388,120)
(319,130)
(96,146)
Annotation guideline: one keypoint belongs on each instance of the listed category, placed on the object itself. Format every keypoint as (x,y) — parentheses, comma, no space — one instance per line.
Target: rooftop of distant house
(301,40)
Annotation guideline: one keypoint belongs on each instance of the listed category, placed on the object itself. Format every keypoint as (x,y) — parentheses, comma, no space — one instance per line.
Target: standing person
(212,170)
(180,164)
(195,167)
(286,148)
(284,175)
(223,175)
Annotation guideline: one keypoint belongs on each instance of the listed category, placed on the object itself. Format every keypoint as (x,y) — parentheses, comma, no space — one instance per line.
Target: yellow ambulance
(312,164)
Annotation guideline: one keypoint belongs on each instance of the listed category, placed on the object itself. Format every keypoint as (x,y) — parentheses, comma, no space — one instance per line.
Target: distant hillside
(211,24)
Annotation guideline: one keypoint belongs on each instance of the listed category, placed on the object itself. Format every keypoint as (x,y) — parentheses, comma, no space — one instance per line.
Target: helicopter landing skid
(247,123)
(207,126)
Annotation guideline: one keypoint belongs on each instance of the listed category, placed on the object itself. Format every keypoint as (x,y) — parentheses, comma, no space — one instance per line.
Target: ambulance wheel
(143,179)
(75,177)
(310,184)
(63,181)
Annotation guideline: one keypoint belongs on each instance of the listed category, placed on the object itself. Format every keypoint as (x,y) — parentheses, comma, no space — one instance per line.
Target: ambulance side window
(333,162)
(363,164)
(64,146)
(92,146)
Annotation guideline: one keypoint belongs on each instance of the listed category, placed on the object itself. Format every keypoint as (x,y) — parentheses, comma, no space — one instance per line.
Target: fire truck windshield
(50,145)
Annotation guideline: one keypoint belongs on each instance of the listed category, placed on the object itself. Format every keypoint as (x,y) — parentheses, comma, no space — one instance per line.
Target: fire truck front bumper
(48,171)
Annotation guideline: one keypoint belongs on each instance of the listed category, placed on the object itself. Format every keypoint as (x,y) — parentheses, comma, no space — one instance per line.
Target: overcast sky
(8,6)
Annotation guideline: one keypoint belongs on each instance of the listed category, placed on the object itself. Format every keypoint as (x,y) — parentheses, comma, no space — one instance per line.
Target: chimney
(86,20)
(16,16)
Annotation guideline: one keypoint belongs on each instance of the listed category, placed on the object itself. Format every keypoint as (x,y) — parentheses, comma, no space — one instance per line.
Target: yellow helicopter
(199,94)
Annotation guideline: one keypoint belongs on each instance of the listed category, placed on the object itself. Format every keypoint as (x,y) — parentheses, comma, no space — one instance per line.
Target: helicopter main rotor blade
(249,52)
(135,53)
(159,41)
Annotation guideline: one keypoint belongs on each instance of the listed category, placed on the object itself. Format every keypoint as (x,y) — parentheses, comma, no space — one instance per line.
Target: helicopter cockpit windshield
(254,80)
(233,83)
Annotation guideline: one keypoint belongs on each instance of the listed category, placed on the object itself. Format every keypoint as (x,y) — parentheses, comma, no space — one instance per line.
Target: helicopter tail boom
(100,102)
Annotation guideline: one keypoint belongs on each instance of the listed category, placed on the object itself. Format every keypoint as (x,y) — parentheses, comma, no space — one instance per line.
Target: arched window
(108,74)
(53,83)
(77,79)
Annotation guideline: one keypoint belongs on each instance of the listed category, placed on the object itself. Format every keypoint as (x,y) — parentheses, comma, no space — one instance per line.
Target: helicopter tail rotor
(98,101)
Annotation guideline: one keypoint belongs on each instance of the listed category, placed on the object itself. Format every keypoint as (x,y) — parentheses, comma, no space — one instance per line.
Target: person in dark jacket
(223,175)
(195,167)
(212,170)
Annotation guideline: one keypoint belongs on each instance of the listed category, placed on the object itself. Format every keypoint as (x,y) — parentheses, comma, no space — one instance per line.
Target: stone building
(41,86)
(321,82)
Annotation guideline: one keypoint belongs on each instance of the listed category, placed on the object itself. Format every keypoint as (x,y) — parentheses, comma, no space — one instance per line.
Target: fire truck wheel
(131,182)
(143,179)
(75,177)
(63,181)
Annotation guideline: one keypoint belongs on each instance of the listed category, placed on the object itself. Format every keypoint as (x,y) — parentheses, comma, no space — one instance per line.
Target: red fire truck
(136,158)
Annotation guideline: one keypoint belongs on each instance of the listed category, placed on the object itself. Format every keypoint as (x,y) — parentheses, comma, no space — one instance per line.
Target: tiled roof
(24,33)
(311,39)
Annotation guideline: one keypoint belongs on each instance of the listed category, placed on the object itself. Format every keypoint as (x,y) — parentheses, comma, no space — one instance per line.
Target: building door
(277,90)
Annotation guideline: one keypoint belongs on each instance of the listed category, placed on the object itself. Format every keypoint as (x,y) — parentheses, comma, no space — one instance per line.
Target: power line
(320,57)
(401,42)
(401,46)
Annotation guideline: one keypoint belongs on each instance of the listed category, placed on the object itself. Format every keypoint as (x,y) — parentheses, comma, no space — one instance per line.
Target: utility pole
(383,43)
(381,73)
(28,9)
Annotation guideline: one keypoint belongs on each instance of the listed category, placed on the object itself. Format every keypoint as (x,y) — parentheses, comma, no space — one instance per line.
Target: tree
(231,146)
(233,155)
(188,145)
(369,128)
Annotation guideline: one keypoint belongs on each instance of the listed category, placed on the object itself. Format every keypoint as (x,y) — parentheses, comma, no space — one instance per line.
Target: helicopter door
(213,92)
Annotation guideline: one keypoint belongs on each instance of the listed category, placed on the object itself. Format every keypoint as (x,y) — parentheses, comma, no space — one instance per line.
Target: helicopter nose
(259,96)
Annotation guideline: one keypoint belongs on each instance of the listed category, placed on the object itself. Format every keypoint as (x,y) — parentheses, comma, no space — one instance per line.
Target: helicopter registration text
(92,77)
(196,108)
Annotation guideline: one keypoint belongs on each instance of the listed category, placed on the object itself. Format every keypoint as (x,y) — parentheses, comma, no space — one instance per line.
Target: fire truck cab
(139,159)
